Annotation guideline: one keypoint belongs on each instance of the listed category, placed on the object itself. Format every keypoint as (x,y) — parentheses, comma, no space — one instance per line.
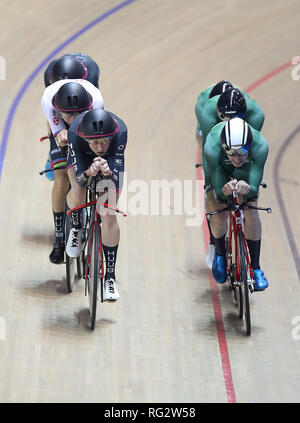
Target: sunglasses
(103,142)
(239,152)
(68,114)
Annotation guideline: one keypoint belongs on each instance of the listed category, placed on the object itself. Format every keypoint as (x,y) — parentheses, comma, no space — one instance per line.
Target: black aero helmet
(236,137)
(97,123)
(220,87)
(68,68)
(231,103)
(72,97)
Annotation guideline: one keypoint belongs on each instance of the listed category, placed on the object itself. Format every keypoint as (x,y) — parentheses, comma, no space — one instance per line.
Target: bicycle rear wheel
(244,277)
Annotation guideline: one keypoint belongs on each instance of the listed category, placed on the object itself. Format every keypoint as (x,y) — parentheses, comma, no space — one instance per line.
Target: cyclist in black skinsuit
(69,66)
(97,140)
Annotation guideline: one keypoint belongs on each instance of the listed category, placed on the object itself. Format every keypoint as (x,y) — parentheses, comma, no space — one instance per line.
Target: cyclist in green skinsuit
(210,92)
(235,155)
(221,103)
(233,102)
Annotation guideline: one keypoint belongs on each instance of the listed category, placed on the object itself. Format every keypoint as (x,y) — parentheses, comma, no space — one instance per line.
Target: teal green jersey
(219,169)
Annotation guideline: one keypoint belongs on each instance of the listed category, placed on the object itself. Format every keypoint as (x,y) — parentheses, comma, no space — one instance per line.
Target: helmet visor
(241,151)
(229,115)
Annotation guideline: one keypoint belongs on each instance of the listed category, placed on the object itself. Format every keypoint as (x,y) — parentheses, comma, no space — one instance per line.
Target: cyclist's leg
(218,227)
(110,243)
(75,198)
(58,200)
(253,233)
(218,222)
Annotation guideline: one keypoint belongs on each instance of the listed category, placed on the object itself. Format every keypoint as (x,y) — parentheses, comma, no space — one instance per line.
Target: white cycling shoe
(210,255)
(110,290)
(74,245)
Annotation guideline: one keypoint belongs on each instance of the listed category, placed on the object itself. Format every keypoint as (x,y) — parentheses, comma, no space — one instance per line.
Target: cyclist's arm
(208,117)
(77,157)
(116,162)
(201,100)
(254,115)
(56,123)
(259,157)
(213,168)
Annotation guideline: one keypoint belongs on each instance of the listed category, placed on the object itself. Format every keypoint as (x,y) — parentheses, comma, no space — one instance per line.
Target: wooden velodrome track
(174,335)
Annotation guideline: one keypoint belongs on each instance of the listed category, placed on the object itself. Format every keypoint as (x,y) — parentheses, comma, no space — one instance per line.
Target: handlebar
(41,172)
(233,205)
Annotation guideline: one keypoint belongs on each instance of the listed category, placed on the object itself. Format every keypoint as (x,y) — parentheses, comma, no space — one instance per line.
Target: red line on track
(226,367)
(268,76)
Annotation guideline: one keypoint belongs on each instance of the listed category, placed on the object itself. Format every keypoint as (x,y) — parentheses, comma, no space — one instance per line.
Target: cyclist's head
(98,128)
(231,103)
(71,99)
(68,68)
(236,139)
(220,87)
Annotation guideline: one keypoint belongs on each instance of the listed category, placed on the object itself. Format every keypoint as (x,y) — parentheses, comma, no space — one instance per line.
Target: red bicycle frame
(91,229)
(235,227)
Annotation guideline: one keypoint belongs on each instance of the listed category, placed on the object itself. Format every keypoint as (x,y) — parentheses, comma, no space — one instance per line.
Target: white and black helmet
(236,137)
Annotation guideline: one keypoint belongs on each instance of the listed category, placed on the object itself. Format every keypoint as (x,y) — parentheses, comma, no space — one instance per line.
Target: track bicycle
(92,252)
(239,270)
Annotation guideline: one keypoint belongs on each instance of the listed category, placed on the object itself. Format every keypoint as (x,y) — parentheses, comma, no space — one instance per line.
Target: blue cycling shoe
(49,175)
(261,282)
(219,269)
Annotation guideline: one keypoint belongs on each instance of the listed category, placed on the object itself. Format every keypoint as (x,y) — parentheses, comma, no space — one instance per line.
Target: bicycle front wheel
(244,278)
(70,262)
(93,274)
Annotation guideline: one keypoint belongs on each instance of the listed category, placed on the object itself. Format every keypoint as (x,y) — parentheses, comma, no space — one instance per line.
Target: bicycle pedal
(251,287)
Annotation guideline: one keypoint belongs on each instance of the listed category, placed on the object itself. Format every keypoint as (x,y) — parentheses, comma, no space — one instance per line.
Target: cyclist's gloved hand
(99,164)
(229,187)
(242,187)
(62,138)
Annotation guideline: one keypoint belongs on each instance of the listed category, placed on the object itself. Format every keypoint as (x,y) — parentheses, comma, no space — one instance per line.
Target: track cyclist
(70,66)
(210,92)
(62,101)
(219,104)
(97,140)
(235,155)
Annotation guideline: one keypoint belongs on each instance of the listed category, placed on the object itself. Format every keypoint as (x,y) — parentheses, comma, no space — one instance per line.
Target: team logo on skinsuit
(72,153)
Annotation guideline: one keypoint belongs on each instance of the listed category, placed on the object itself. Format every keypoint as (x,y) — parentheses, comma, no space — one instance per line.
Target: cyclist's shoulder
(204,94)
(212,144)
(216,130)
(52,89)
(122,124)
(72,131)
(260,146)
(209,109)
